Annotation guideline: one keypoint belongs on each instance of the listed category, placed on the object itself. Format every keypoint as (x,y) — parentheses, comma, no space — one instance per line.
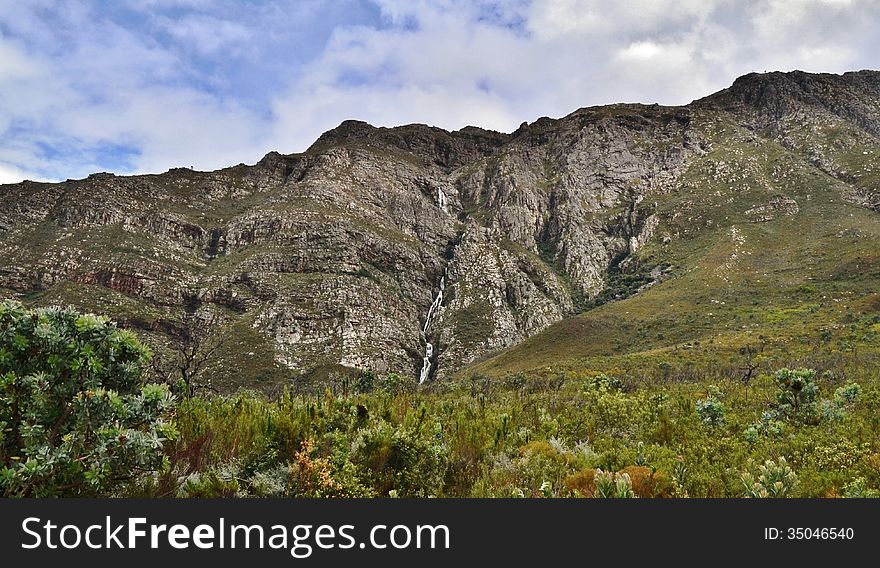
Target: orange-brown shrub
(582,483)
(647,483)
(310,476)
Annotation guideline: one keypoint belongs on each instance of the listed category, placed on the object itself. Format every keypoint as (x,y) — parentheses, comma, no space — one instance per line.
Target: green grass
(473,324)
(789,281)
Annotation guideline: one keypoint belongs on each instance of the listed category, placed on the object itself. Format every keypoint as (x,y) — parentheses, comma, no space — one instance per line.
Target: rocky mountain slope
(421,251)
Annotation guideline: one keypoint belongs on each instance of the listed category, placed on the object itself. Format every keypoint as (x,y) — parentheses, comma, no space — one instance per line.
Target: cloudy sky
(144,85)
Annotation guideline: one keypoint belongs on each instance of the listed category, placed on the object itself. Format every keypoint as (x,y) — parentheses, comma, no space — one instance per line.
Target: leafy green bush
(402,461)
(769,425)
(858,489)
(312,475)
(602,381)
(394,384)
(798,402)
(711,409)
(797,394)
(543,467)
(75,418)
(773,479)
(843,399)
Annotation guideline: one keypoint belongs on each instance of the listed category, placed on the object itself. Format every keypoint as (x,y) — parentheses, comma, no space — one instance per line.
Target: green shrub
(545,466)
(312,475)
(602,381)
(844,398)
(711,409)
(75,418)
(773,479)
(769,425)
(797,394)
(610,485)
(858,489)
(395,384)
(797,401)
(209,485)
(394,459)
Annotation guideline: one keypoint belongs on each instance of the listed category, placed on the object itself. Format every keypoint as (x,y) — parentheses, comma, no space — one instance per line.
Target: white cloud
(215,82)
(15,64)
(108,94)
(450,70)
(444,64)
(615,21)
(207,35)
(11,174)
(146,5)
(640,51)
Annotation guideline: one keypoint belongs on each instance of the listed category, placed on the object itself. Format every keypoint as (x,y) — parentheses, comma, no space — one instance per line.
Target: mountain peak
(335,257)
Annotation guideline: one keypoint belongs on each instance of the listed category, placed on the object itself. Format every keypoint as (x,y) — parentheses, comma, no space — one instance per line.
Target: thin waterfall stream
(428,360)
(429,347)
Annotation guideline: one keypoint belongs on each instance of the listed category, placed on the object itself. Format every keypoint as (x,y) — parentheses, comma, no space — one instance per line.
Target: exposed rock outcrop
(335,256)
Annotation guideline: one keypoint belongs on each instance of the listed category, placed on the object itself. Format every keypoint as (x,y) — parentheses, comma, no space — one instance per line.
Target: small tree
(797,397)
(752,361)
(193,347)
(75,418)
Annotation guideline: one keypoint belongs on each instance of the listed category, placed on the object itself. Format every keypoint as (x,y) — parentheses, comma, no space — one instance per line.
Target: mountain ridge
(330,259)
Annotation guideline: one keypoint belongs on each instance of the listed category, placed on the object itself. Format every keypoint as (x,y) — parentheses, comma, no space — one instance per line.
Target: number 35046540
(793,533)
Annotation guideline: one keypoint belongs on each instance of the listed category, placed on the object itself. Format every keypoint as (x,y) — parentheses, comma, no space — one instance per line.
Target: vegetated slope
(771,238)
(743,213)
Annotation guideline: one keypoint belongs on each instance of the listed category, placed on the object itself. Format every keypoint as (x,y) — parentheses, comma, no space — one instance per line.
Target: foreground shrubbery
(76,420)
(74,417)
(571,437)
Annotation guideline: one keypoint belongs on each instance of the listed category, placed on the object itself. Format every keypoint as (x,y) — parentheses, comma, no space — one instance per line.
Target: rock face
(833,120)
(334,256)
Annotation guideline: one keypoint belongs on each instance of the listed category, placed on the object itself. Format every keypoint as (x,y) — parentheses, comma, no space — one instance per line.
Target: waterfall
(435,305)
(427,361)
(441,200)
(429,347)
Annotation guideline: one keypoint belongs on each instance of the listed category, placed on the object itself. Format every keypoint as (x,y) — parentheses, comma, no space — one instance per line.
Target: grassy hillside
(765,253)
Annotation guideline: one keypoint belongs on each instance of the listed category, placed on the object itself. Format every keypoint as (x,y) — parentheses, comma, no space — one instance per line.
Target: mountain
(611,236)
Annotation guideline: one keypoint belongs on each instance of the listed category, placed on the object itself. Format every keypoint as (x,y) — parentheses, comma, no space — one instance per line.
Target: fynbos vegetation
(75,418)
(630,301)
(78,420)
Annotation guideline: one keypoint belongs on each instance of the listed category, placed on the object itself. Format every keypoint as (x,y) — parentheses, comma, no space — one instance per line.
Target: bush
(711,409)
(582,483)
(602,381)
(395,384)
(312,476)
(773,479)
(858,489)
(646,482)
(844,398)
(797,400)
(541,461)
(74,416)
(797,394)
(400,461)
(611,485)
(768,425)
